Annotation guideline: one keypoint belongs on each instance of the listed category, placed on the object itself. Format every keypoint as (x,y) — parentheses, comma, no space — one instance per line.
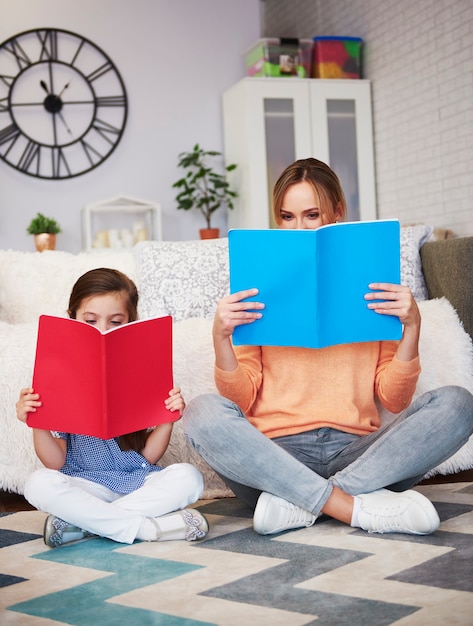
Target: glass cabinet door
(280,141)
(343,137)
(271,122)
(266,127)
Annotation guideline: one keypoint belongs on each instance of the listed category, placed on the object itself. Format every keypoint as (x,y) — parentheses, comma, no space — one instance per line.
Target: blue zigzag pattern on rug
(87,603)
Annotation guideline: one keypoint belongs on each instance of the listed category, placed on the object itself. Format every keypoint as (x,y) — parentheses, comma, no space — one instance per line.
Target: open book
(103,385)
(313,282)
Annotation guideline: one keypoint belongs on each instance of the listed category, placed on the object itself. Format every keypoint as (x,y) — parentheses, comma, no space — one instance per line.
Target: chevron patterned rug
(326,575)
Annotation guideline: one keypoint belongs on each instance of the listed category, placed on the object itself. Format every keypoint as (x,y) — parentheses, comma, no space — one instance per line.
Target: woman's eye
(286,216)
(314,216)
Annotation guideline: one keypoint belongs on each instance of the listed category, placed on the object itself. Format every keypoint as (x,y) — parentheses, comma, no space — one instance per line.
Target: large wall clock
(63,104)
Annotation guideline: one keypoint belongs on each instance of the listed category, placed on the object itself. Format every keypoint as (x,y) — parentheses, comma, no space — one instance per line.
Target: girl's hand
(175,402)
(399,301)
(232,312)
(27,403)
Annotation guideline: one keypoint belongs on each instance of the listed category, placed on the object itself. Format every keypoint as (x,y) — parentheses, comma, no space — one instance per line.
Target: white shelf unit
(271,122)
(120,222)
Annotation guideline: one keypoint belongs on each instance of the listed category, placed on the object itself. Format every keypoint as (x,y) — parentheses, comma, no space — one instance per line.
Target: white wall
(176,58)
(419,57)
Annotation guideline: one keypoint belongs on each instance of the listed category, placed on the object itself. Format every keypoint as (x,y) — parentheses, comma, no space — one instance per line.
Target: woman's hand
(27,403)
(175,402)
(399,301)
(232,312)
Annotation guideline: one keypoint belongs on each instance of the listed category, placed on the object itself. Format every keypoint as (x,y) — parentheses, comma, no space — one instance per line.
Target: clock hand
(54,129)
(64,89)
(64,122)
(44,86)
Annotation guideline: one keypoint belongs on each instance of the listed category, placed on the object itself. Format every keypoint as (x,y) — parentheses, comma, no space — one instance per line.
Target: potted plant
(44,230)
(202,187)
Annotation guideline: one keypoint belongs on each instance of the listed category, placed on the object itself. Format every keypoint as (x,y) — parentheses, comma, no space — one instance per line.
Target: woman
(296,432)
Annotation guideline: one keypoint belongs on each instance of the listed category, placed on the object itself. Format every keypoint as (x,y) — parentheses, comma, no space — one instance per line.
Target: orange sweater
(284,391)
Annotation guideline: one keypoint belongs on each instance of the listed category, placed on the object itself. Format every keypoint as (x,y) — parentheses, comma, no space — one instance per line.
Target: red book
(102,384)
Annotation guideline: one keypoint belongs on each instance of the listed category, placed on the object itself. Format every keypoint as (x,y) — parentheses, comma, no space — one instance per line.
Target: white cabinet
(271,122)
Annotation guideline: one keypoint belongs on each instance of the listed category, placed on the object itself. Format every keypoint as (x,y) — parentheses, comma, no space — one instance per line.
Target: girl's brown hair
(324,181)
(98,282)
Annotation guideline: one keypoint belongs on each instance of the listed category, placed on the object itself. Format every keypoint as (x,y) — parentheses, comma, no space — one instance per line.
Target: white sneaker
(273,515)
(186,524)
(408,512)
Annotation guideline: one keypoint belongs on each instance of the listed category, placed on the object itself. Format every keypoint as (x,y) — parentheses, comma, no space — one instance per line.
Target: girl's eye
(90,321)
(116,323)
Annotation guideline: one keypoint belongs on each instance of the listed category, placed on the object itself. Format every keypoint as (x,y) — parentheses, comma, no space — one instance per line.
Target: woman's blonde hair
(324,182)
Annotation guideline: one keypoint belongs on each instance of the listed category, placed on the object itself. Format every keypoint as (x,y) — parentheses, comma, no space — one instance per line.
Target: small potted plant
(44,230)
(203,188)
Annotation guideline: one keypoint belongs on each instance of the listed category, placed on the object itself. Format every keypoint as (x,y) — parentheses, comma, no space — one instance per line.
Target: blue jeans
(304,468)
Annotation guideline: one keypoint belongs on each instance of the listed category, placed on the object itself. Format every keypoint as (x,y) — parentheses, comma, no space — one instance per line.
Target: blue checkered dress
(102,461)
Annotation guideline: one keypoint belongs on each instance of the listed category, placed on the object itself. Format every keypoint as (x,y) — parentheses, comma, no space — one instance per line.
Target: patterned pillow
(181,278)
(412,239)
(187,278)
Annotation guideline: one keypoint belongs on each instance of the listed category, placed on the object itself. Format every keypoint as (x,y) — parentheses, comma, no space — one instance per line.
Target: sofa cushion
(181,278)
(447,269)
(193,361)
(412,239)
(187,278)
(35,283)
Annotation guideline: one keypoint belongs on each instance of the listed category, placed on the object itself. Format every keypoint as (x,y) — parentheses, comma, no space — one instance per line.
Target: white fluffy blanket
(446,354)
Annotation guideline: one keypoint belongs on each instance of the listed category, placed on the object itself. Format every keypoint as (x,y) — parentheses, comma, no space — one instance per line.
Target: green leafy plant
(42,224)
(203,188)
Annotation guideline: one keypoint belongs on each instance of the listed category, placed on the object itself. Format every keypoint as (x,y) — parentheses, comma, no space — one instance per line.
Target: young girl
(296,432)
(112,488)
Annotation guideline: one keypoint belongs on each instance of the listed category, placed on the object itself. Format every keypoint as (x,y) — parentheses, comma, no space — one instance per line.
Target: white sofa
(184,279)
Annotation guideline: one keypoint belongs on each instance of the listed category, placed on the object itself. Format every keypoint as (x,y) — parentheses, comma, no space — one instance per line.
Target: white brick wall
(419,57)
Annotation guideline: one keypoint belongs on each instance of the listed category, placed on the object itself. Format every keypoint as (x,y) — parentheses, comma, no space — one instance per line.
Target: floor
(12,502)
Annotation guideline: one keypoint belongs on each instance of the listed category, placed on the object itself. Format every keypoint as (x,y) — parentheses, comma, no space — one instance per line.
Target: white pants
(103,512)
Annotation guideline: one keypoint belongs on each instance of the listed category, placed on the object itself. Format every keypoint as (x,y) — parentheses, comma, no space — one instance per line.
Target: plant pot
(45,241)
(209,233)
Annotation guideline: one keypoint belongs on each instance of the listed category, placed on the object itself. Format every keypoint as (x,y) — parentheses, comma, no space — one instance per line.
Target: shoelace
(297,515)
(387,521)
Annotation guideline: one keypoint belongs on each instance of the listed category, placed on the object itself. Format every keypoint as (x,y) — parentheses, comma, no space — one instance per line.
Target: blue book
(313,282)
